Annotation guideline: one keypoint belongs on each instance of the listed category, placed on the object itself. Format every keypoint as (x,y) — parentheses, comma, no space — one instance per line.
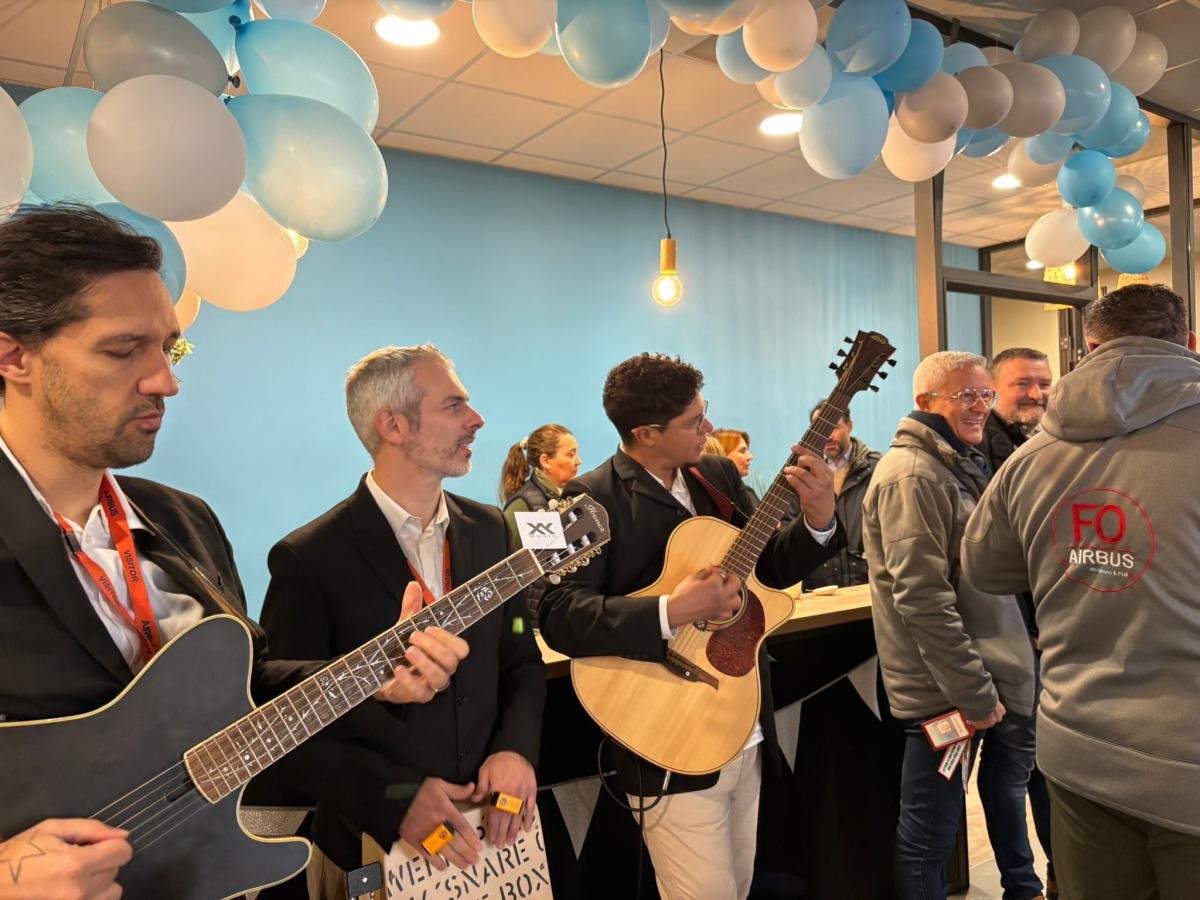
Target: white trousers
(702,842)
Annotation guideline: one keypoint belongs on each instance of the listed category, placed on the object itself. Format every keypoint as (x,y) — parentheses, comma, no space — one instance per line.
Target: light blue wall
(535,286)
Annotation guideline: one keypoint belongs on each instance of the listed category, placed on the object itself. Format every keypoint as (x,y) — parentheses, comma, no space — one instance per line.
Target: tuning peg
(833,366)
(883,375)
(841,353)
(555,578)
(892,363)
(552,505)
(585,561)
(847,340)
(875,388)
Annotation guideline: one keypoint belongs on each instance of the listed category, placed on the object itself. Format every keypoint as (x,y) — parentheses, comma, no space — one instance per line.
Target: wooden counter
(850,604)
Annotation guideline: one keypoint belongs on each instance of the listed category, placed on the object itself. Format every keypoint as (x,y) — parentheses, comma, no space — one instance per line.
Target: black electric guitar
(168,758)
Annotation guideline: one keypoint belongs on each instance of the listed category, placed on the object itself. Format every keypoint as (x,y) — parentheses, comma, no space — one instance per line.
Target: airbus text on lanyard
(141,620)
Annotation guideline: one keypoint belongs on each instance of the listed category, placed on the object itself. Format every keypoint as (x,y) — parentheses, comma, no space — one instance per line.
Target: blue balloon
(985,142)
(302,60)
(1121,117)
(842,135)
(804,85)
(962,56)
(310,166)
(32,199)
(696,9)
(1048,147)
(1134,141)
(604,42)
(416,9)
(660,25)
(58,122)
(174,266)
(191,6)
(220,30)
(890,99)
(918,63)
(1088,89)
(964,137)
(1114,222)
(295,10)
(735,62)
(1140,255)
(868,36)
(1086,178)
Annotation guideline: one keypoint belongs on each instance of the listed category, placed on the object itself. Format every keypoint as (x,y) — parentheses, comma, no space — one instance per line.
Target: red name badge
(952,733)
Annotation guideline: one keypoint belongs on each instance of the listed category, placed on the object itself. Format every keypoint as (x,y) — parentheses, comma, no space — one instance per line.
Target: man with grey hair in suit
(943,646)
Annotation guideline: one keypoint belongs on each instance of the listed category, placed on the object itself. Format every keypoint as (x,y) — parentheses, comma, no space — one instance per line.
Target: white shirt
(423,547)
(173,610)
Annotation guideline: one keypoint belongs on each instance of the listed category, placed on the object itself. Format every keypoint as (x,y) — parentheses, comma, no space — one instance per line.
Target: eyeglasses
(696,423)
(968,397)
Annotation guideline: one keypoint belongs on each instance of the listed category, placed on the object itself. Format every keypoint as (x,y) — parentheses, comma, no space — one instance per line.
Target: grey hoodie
(941,642)
(1100,516)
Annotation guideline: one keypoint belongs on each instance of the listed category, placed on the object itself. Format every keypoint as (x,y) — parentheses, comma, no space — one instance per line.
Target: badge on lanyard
(952,733)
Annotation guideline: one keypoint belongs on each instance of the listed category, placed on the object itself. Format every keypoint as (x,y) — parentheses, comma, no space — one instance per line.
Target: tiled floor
(985,877)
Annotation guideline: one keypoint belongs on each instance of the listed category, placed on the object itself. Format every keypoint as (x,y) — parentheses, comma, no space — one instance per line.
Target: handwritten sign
(515,872)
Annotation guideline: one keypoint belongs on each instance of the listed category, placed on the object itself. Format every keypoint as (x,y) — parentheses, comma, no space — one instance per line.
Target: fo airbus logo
(1103,539)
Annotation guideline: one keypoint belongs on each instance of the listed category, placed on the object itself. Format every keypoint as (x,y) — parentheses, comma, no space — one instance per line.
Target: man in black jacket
(1022,379)
(341,579)
(702,835)
(852,463)
(89,591)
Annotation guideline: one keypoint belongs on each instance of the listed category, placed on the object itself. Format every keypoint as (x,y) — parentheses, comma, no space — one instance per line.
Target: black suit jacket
(590,613)
(338,582)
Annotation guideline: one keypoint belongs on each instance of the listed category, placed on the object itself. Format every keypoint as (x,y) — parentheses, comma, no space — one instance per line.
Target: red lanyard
(447,580)
(142,621)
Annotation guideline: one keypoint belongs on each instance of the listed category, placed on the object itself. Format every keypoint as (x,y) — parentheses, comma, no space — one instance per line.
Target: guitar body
(128,753)
(691,725)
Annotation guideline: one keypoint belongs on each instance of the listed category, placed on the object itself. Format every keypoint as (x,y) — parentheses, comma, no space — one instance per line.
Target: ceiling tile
(969,240)
(419,143)
(857,221)
(698,160)
(399,91)
(589,139)
(902,209)
(852,194)
(537,76)
(16,72)
(353,21)
(548,166)
(642,183)
(778,177)
(473,115)
(39,31)
(741,127)
(697,93)
(815,213)
(908,229)
(725,198)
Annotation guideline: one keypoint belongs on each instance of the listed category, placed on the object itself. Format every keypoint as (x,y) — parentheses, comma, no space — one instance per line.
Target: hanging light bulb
(667,289)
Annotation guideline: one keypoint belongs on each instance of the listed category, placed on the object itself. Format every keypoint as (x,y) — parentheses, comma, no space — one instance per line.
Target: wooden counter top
(812,611)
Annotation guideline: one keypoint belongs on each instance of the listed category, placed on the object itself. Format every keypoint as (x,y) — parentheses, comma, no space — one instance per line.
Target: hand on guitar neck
(712,594)
(77,858)
(433,656)
(812,481)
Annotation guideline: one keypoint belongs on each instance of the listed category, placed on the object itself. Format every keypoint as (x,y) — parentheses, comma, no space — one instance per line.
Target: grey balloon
(131,39)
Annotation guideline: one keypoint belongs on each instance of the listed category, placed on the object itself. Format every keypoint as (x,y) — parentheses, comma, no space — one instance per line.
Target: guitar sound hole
(715,625)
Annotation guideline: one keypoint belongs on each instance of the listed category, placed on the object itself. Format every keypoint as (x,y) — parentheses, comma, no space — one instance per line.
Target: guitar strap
(724,504)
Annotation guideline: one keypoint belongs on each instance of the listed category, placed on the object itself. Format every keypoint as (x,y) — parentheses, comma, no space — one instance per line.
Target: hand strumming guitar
(712,594)
(64,858)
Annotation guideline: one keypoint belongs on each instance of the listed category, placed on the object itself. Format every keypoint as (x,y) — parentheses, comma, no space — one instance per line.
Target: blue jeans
(931,811)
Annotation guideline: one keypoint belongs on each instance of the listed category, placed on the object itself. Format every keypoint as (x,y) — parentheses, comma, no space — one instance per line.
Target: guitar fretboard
(224,762)
(748,547)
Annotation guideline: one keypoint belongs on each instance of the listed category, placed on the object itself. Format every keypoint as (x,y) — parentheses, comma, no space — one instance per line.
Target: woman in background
(736,445)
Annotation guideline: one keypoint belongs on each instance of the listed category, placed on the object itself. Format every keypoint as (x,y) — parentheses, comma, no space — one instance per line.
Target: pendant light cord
(662,124)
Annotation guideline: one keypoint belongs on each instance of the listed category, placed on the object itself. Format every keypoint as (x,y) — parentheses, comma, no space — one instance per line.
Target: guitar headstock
(585,529)
(863,361)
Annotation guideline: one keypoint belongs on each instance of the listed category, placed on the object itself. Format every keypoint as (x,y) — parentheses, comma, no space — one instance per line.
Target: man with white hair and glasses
(945,648)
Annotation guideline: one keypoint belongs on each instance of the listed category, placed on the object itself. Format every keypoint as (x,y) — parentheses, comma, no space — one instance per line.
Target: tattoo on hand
(15,852)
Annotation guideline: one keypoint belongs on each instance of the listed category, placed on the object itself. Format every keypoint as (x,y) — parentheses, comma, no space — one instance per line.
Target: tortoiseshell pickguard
(734,650)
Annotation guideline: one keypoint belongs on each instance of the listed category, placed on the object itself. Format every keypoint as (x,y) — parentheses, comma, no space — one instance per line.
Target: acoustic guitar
(169,757)
(694,711)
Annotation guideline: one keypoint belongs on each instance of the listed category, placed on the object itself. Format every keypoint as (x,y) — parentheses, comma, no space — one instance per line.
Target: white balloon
(689,26)
(727,22)
(1055,239)
(997,56)
(1133,186)
(780,34)
(166,147)
(16,154)
(187,308)
(238,258)
(1049,33)
(514,28)
(768,91)
(1026,171)
(912,160)
(1145,65)
(1106,36)
(1038,99)
(989,96)
(934,111)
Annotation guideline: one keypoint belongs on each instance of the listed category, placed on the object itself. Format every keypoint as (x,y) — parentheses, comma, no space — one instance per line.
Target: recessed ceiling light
(1005,182)
(781,123)
(1033,264)
(407,32)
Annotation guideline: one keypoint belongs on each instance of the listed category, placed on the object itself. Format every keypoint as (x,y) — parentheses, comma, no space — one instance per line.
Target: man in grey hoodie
(943,645)
(1100,516)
